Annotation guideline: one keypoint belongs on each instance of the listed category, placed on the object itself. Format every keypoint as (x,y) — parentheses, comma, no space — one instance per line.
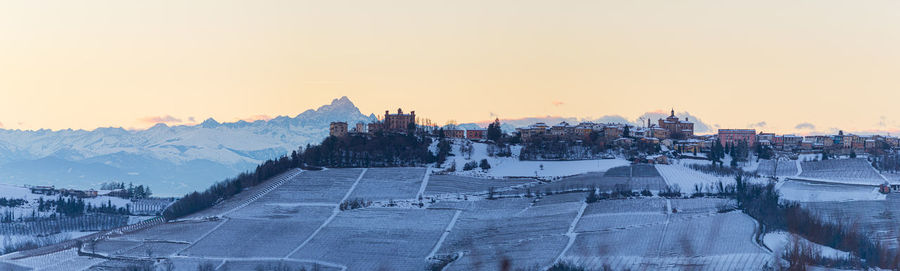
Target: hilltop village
(655,141)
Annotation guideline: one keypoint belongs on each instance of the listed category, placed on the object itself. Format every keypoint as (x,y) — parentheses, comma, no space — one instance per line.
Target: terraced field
(295,222)
(849,171)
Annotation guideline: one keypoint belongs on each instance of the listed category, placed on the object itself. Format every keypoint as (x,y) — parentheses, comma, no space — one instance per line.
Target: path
(334,213)
(444,235)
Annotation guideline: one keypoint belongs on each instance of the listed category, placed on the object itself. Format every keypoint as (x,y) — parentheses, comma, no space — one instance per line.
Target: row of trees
(132,191)
(762,203)
(5,202)
(197,201)
(380,150)
(556,148)
(72,206)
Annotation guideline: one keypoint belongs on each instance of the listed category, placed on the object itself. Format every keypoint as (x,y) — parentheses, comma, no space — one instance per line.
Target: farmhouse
(43,190)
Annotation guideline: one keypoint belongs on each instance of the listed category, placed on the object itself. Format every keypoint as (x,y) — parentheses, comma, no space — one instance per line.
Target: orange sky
(84,64)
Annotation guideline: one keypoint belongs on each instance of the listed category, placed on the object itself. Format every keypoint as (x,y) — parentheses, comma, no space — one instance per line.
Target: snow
(298,223)
(800,191)
(686,178)
(502,167)
(149,156)
(848,171)
(778,241)
(636,234)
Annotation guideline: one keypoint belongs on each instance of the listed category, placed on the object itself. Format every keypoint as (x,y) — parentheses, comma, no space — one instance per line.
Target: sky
(780,66)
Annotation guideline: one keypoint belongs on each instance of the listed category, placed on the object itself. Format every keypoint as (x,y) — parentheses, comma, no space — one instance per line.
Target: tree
(484,165)
(494,133)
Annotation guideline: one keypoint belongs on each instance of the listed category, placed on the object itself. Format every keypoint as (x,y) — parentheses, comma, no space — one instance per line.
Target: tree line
(131,191)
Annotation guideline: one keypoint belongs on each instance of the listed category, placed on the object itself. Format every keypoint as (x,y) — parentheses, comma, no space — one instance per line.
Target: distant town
(670,133)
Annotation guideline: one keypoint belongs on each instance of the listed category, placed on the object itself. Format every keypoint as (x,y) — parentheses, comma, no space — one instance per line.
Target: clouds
(558,103)
(761,124)
(805,126)
(167,119)
(699,125)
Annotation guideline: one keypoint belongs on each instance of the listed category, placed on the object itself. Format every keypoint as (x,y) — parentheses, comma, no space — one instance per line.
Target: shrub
(485,165)
(672,191)
(591,197)
(470,166)
(354,204)
(646,193)
(567,266)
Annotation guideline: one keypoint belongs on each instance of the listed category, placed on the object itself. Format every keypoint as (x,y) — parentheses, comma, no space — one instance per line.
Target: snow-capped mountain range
(172,160)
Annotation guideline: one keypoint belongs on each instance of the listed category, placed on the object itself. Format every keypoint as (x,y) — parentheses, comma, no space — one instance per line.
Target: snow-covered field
(686,178)
(780,241)
(644,236)
(511,166)
(801,191)
(296,222)
(877,218)
(849,171)
(786,168)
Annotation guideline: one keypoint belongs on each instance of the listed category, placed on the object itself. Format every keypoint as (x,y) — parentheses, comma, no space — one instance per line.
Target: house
(734,136)
(43,190)
(78,193)
(612,132)
(120,193)
(476,134)
(535,130)
(455,133)
(688,146)
(657,159)
(338,129)
(560,129)
(660,133)
(583,130)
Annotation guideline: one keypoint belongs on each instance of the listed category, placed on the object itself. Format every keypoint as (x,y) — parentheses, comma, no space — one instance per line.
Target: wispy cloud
(558,103)
(167,119)
(1,125)
(192,119)
(653,116)
(805,126)
(760,124)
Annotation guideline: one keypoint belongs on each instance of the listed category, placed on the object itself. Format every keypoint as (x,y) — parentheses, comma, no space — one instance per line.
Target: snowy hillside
(171,160)
(513,167)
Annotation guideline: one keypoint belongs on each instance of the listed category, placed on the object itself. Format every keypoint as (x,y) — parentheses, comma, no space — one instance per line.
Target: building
(476,134)
(659,132)
(677,128)
(612,132)
(43,190)
(688,146)
(399,122)
(733,136)
(561,129)
(535,130)
(338,129)
(360,128)
(455,133)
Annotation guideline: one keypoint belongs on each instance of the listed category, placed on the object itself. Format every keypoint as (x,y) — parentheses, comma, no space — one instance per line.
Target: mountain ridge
(82,158)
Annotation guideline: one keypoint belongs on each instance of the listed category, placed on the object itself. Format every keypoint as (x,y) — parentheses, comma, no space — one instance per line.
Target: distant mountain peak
(342,101)
(210,123)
